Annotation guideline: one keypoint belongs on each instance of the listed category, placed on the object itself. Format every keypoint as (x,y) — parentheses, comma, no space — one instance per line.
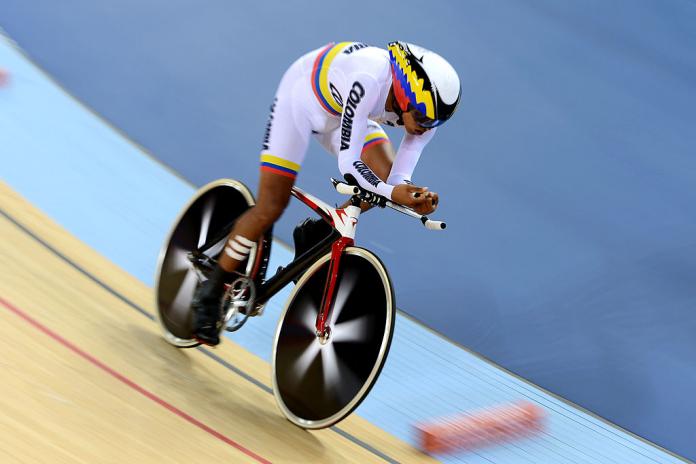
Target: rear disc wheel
(212,209)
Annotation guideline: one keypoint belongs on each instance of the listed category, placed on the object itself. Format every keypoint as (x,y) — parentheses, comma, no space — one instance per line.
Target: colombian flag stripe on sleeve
(279,166)
(375,138)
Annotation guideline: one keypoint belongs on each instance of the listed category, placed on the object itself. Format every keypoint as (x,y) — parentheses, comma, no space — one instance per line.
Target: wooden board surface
(87,377)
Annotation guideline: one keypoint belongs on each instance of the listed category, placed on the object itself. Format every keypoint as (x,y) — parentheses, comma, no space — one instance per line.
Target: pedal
(258,311)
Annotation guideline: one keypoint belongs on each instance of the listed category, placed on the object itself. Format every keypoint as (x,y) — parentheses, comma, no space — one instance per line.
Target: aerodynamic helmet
(425,81)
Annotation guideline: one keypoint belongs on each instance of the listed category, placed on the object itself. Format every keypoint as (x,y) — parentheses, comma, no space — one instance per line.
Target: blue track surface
(567,178)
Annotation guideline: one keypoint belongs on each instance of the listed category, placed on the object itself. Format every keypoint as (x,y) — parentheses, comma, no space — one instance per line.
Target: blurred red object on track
(4,77)
(483,427)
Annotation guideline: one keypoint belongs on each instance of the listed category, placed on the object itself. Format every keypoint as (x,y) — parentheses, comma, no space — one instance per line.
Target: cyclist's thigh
(273,194)
(288,129)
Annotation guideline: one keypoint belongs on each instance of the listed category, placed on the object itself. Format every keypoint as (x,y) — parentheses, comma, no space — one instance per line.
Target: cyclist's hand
(418,198)
(429,205)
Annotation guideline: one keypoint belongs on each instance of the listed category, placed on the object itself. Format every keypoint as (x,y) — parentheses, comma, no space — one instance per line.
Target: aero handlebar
(378,200)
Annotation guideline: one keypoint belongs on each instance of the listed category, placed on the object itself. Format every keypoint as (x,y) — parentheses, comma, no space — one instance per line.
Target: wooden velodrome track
(87,377)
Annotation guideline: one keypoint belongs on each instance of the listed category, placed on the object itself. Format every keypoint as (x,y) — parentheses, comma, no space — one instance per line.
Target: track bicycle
(335,331)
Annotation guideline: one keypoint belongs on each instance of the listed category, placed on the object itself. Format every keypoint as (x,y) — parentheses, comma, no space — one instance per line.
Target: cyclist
(339,93)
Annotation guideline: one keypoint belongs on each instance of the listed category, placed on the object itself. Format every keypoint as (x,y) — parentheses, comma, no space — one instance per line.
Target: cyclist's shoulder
(359,56)
(362,50)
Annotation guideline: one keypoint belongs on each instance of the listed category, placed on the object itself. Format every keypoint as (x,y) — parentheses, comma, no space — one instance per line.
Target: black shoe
(207,313)
(308,233)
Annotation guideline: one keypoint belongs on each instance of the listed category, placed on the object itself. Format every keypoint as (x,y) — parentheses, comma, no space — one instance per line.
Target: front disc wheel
(319,379)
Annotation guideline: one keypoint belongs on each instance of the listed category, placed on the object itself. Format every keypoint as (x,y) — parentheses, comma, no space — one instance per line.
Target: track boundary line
(128,382)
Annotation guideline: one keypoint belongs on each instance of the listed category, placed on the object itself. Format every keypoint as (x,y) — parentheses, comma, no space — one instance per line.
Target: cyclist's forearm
(361,97)
(407,157)
(356,170)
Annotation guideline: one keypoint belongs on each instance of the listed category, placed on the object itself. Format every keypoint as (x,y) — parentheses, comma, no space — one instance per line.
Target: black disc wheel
(209,214)
(319,382)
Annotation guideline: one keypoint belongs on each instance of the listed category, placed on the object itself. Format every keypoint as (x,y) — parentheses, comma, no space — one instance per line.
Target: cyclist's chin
(413,130)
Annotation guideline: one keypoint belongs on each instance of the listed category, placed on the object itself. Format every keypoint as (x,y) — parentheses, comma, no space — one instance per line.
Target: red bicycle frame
(345,221)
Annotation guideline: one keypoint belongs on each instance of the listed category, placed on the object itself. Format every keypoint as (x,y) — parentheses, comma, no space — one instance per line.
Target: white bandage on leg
(238,248)
(242,250)
(244,241)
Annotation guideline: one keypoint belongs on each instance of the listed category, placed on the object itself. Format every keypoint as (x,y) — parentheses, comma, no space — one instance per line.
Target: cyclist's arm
(407,157)
(360,97)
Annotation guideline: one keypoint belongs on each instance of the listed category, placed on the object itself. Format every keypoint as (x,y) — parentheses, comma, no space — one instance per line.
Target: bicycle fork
(323,329)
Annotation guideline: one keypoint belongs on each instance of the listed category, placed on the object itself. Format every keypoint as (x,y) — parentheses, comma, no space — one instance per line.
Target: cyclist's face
(413,120)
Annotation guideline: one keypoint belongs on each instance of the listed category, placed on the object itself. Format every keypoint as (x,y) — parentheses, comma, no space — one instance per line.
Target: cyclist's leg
(273,196)
(284,146)
(287,133)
